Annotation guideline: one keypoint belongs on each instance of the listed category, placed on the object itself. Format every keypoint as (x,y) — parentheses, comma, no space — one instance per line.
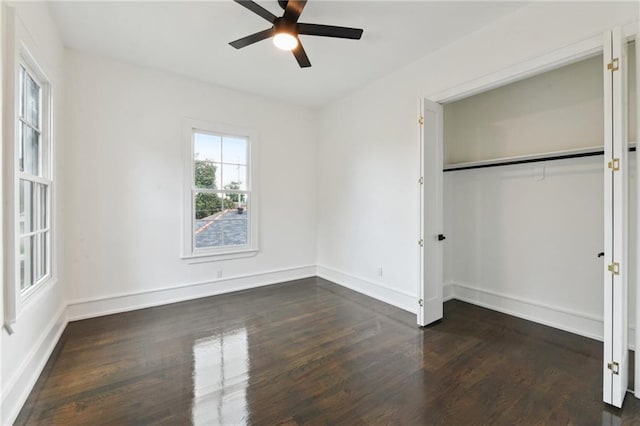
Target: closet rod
(530,160)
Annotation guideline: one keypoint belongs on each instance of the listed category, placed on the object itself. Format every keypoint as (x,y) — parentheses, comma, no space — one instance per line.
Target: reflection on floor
(311,352)
(220,377)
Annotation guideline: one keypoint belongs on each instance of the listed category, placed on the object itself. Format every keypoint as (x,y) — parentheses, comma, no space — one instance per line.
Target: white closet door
(431,238)
(615,368)
(637,352)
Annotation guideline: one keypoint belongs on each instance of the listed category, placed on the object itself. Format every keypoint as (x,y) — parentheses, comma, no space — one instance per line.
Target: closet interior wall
(523,239)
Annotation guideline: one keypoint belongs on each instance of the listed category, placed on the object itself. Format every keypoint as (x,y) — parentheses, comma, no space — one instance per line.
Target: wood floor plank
(311,352)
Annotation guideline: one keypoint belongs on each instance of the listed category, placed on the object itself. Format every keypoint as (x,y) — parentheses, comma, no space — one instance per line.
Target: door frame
(547,62)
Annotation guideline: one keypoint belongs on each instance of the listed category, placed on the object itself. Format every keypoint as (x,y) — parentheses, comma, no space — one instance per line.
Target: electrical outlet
(379,271)
(219,273)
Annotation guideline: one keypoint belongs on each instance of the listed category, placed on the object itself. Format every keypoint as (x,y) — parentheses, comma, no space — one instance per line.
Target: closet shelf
(535,158)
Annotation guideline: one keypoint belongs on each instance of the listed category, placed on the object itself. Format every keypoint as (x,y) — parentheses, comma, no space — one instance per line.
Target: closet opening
(522,191)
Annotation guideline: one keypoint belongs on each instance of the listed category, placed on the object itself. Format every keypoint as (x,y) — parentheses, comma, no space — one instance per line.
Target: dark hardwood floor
(311,352)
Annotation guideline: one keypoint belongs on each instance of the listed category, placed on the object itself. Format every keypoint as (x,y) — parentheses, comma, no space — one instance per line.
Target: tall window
(221,213)
(33,210)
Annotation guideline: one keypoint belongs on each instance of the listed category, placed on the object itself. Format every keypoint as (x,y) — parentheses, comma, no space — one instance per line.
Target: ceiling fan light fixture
(285,41)
(285,29)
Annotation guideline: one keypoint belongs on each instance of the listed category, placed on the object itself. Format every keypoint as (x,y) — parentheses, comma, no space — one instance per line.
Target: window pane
(207,147)
(21,126)
(47,250)
(26,208)
(22,264)
(22,94)
(208,209)
(26,262)
(31,151)
(234,150)
(235,220)
(40,209)
(33,102)
(207,174)
(234,177)
(40,258)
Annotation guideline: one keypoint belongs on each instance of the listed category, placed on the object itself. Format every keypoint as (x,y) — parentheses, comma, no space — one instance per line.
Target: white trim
(20,385)
(398,298)
(107,305)
(447,292)
(227,255)
(10,83)
(580,323)
(636,336)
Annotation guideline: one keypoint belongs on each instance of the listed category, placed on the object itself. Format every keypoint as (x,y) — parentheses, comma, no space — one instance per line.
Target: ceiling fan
(286,29)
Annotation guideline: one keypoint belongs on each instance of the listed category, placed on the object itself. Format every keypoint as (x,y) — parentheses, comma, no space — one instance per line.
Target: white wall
(554,111)
(523,239)
(124,187)
(558,110)
(42,319)
(368,147)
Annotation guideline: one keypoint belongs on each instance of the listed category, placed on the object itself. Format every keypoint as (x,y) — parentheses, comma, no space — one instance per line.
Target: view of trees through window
(220,190)
(210,203)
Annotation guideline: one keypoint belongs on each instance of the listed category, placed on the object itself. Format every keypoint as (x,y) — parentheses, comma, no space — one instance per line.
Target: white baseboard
(90,308)
(580,323)
(392,296)
(25,377)
(447,292)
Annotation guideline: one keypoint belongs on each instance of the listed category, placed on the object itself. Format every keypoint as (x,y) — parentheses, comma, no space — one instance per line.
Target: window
(221,205)
(33,179)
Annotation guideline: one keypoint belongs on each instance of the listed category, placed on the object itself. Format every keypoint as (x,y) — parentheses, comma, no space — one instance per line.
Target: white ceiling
(191,39)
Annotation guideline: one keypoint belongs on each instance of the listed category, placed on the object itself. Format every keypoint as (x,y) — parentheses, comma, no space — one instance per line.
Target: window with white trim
(221,209)
(33,180)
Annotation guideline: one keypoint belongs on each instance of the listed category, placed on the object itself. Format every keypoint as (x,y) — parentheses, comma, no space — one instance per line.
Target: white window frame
(20,51)
(190,253)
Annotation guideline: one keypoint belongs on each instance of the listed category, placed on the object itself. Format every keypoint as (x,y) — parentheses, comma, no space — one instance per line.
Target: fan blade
(257,9)
(329,31)
(294,10)
(301,56)
(253,38)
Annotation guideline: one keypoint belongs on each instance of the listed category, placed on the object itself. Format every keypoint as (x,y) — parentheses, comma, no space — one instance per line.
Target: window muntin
(220,192)
(33,184)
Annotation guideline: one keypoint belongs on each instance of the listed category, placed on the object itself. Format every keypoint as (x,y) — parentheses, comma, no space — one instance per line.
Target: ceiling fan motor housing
(285,29)
(281,25)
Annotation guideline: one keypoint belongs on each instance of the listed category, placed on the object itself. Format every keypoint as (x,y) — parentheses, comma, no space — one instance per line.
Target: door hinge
(421,242)
(614,65)
(420,302)
(614,367)
(421,181)
(614,268)
(614,164)
(421,120)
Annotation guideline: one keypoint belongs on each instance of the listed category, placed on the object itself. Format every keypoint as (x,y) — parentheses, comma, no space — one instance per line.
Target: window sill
(215,257)
(27,299)
(27,296)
